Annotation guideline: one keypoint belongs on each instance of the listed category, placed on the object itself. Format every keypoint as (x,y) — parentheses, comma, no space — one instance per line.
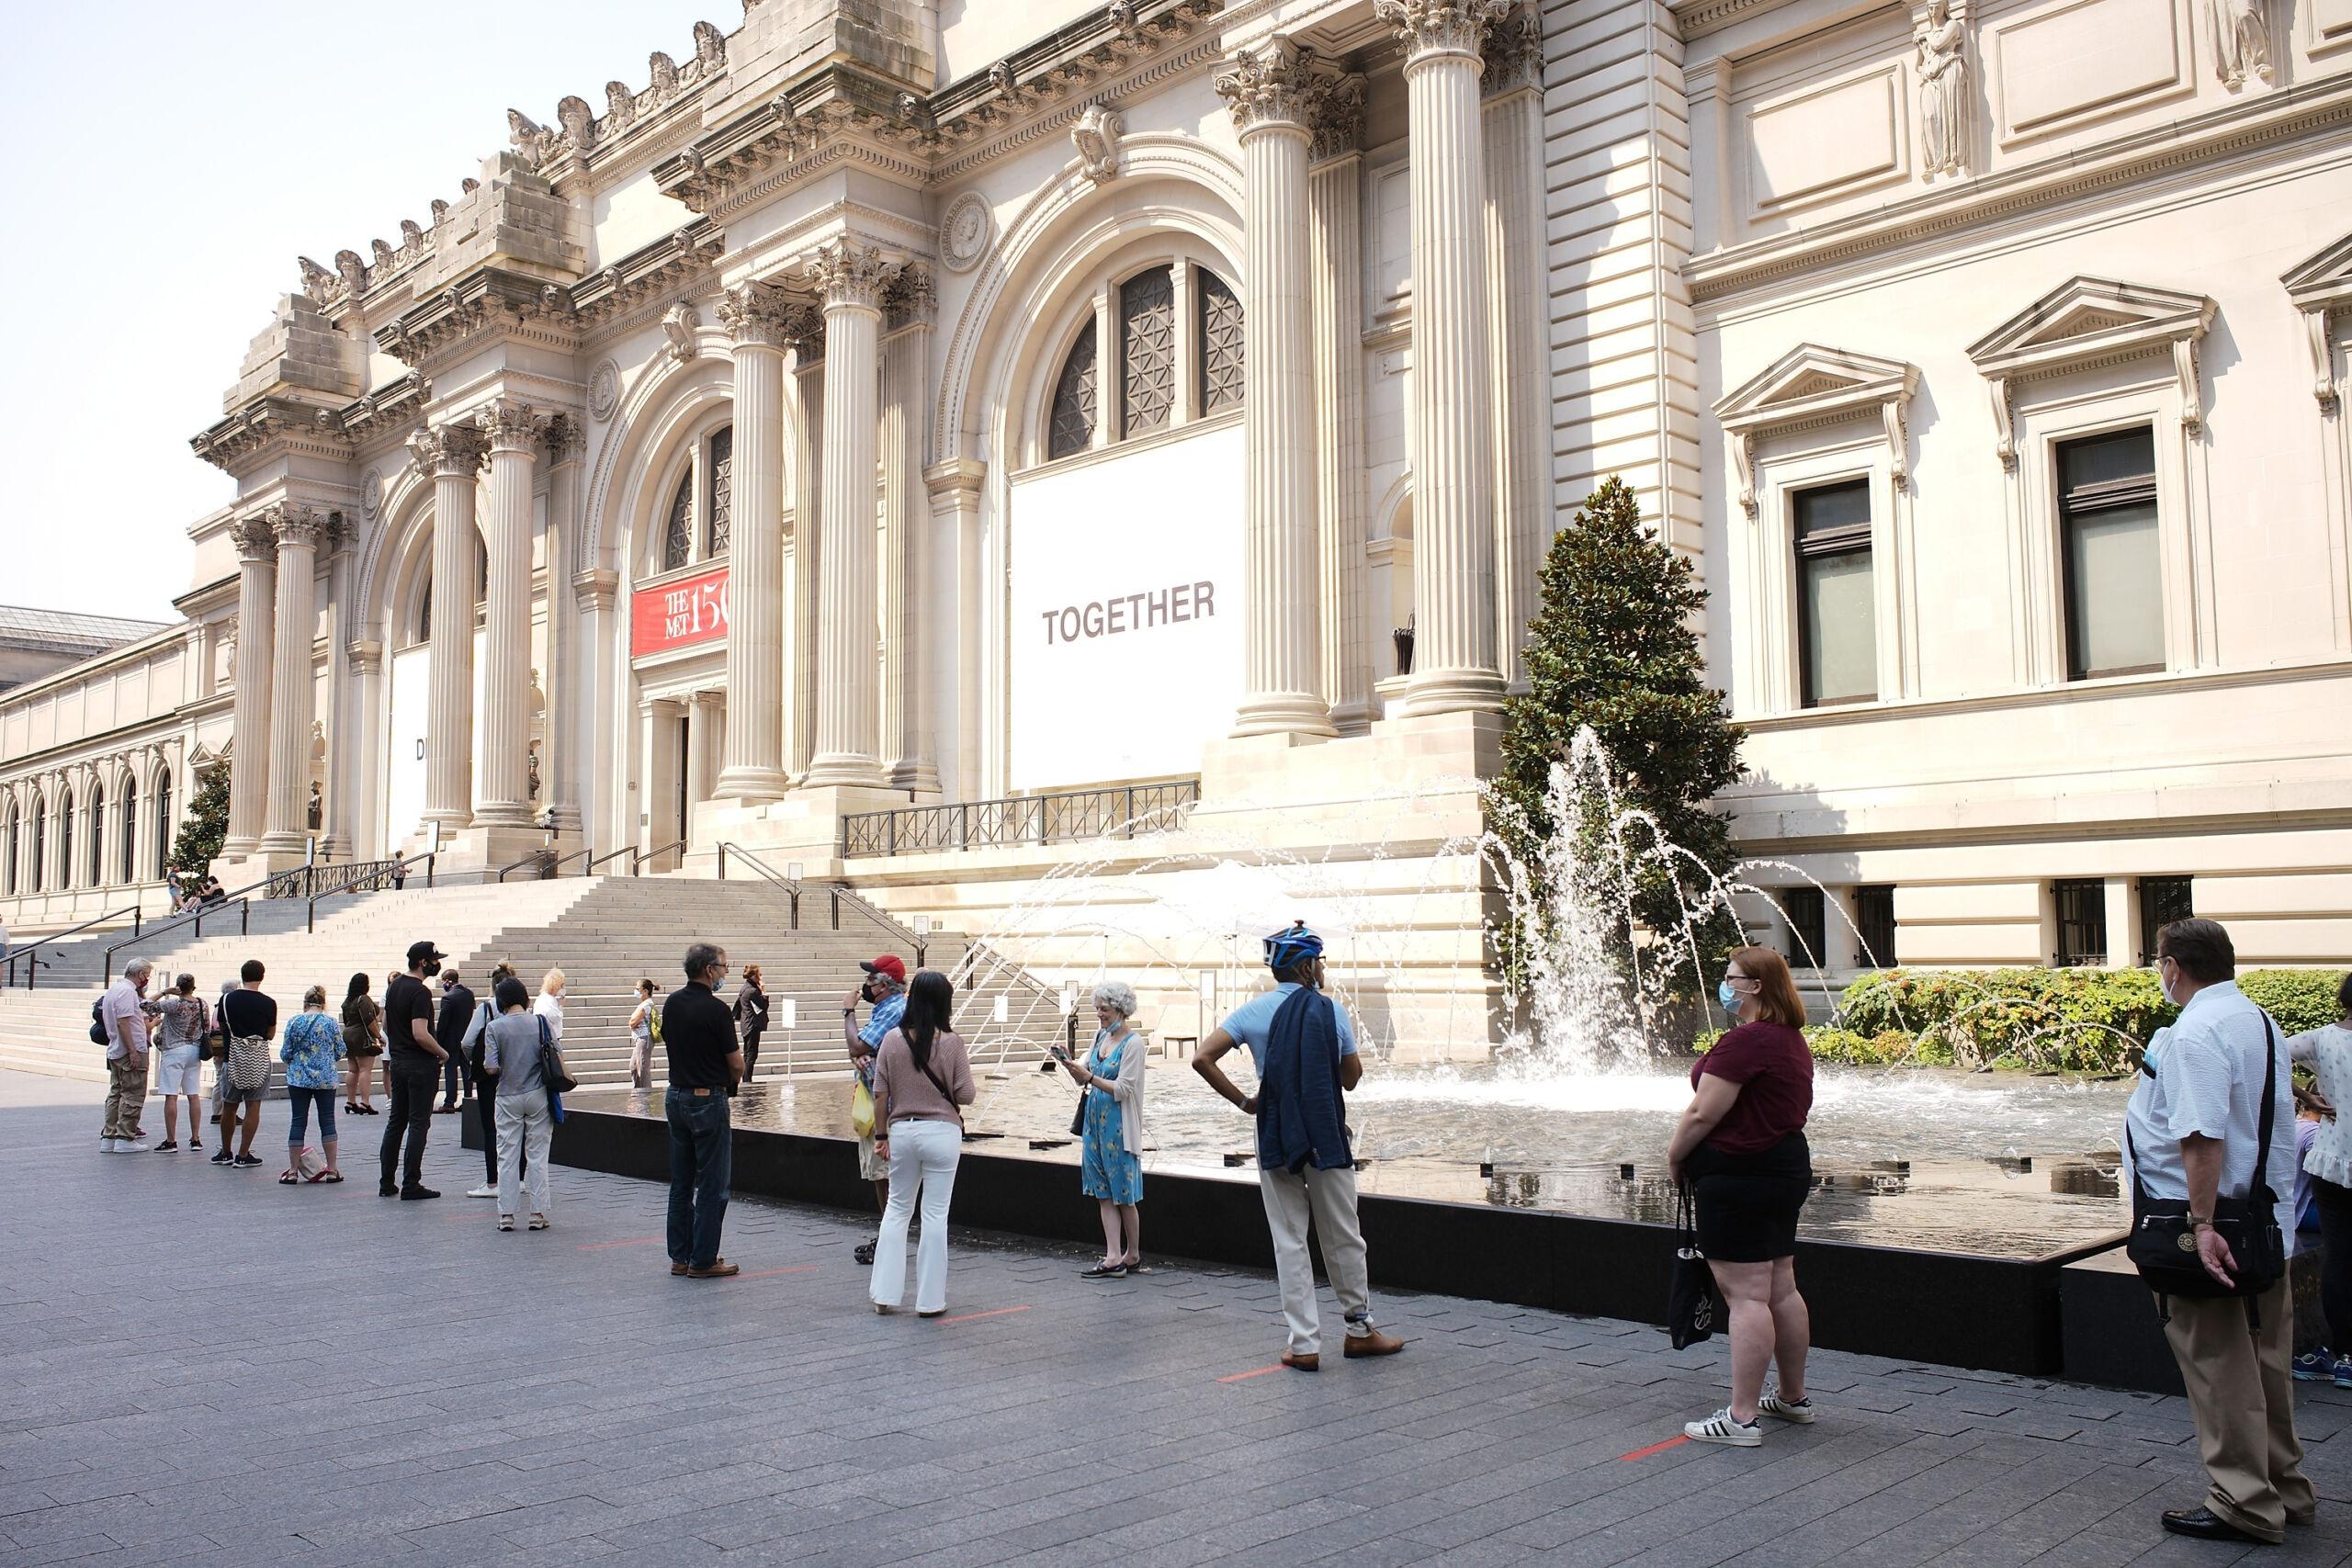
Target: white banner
(1126,614)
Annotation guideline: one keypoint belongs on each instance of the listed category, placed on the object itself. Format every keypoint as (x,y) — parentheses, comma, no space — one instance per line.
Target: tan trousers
(2243,1398)
(126,1093)
(1330,1197)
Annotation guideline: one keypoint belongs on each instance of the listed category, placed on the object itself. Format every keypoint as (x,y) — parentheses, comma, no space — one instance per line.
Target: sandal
(287,1179)
(1104,1271)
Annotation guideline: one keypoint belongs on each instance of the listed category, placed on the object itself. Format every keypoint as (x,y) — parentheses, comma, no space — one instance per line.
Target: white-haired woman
(549,1003)
(1110,1169)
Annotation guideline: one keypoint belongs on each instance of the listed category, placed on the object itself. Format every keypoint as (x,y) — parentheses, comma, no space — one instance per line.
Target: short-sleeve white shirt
(121,1005)
(2208,1081)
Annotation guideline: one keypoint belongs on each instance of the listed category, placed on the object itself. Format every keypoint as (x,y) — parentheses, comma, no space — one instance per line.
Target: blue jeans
(701,1158)
(301,1099)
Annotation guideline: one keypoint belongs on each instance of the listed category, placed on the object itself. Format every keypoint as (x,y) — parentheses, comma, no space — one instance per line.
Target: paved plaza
(198,1366)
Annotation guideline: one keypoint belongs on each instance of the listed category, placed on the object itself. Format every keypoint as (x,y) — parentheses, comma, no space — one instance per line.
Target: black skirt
(1748,1204)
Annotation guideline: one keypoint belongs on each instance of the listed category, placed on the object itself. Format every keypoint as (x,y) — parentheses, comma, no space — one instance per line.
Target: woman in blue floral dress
(310,1048)
(1110,1171)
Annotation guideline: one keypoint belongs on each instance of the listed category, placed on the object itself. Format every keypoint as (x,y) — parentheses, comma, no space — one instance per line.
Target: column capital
(1514,55)
(567,441)
(452,449)
(913,300)
(295,526)
(1434,29)
(955,474)
(366,657)
(852,276)
(595,590)
(755,315)
(255,538)
(1268,87)
(1335,114)
(508,424)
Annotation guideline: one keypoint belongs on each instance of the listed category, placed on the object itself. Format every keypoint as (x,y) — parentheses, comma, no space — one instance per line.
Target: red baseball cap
(887,965)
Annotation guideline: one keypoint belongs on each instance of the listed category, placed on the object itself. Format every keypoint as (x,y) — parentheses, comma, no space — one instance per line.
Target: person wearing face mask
(884,990)
(1741,1146)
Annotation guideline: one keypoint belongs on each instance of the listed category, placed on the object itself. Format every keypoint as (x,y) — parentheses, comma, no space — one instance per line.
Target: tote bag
(1691,1288)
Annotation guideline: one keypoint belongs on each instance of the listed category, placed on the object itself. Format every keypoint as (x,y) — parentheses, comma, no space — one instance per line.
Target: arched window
(720,507)
(40,841)
(15,842)
(1156,381)
(678,539)
(98,826)
(424,614)
(127,854)
(1073,419)
(64,840)
(163,823)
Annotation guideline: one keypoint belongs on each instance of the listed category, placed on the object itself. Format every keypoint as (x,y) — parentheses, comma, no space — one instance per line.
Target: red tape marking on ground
(1261,1372)
(970,1316)
(1655,1448)
(627,1241)
(771,1273)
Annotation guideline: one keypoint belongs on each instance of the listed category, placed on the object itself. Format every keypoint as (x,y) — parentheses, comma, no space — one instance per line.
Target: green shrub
(2297,999)
(1830,1043)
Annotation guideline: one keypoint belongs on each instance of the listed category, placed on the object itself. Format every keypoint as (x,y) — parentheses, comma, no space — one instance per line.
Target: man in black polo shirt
(706,1063)
(412,1061)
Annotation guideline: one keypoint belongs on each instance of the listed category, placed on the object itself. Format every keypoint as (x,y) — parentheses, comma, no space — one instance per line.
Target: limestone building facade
(884,420)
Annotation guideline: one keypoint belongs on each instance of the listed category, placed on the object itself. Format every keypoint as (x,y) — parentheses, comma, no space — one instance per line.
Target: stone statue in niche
(2241,41)
(1943,90)
(316,814)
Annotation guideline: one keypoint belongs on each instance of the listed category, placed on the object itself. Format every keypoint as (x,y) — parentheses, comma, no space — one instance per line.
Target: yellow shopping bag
(861,1111)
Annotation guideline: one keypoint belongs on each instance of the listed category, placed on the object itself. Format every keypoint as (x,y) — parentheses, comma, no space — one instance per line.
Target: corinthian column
(804,390)
(852,277)
(754,759)
(299,530)
(1454,660)
(1512,134)
(1334,237)
(569,699)
(1266,89)
(449,453)
(909,750)
(249,719)
(514,432)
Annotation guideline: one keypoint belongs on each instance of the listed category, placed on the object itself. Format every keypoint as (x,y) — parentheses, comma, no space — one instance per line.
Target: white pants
(924,1156)
(1330,1197)
(525,1130)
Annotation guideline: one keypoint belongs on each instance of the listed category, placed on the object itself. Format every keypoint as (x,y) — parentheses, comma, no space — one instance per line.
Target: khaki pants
(1330,1197)
(126,1093)
(2243,1398)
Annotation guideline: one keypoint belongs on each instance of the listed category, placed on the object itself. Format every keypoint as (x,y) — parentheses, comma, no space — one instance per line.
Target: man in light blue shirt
(1306,1055)
(884,987)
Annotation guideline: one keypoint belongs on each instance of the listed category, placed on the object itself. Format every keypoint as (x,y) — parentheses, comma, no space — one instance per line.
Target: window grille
(1221,345)
(678,539)
(2162,900)
(2082,923)
(1874,920)
(1072,426)
(722,497)
(1808,918)
(1147,349)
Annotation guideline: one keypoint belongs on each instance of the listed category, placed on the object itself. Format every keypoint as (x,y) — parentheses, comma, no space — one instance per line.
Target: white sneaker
(1800,1411)
(1720,1428)
(110,1145)
(482,1191)
(130,1146)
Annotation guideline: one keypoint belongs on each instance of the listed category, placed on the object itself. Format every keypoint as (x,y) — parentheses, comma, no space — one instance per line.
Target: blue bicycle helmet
(1293,946)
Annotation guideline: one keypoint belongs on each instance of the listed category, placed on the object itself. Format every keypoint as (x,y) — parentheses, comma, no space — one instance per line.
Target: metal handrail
(33,948)
(244,907)
(791,888)
(590,869)
(1055,818)
(547,867)
(636,860)
(381,872)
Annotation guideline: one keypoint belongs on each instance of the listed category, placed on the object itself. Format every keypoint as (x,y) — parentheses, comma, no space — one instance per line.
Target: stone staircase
(606,934)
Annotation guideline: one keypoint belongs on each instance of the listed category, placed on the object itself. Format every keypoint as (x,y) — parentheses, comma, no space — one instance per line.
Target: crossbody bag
(2163,1242)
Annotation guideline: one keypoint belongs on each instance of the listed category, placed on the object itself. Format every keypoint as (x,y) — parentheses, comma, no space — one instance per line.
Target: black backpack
(99,1021)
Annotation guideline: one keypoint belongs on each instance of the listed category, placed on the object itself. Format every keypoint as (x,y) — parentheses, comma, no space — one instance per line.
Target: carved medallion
(603,391)
(371,492)
(965,232)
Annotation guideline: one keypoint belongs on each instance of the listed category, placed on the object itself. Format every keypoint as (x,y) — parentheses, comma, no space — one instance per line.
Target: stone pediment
(2319,285)
(2089,321)
(1808,385)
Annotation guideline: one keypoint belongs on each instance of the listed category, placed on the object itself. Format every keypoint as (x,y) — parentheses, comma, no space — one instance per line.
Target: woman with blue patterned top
(1112,1123)
(310,1046)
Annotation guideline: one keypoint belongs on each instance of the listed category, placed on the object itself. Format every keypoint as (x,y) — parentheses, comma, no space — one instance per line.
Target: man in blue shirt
(1306,1055)
(885,988)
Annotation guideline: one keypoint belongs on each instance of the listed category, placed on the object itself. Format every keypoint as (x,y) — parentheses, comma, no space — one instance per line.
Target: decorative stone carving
(383,253)
(603,391)
(508,426)
(1943,67)
(678,324)
(528,136)
(412,237)
(353,270)
(664,72)
(371,492)
(579,122)
(1270,85)
(1001,78)
(317,281)
(752,313)
(1096,137)
(965,231)
(440,209)
(1122,19)
(848,274)
(2241,41)
(255,539)
(913,299)
(1335,114)
(2092,320)
(566,441)
(446,449)
(710,49)
(1808,385)
(1514,54)
(1441,27)
(620,106)
(2319,285)
(913,113)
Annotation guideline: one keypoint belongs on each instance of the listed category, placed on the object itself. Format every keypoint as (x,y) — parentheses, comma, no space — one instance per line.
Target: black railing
(544,864)
(30,952)
(1121,811)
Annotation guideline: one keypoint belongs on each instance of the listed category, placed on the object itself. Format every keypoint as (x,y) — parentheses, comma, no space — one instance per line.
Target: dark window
(1807,916)
(127,854)
(66,817)
(1071,428)
(1220,335)
(41,841)
(2107,511)
(722,498)
(424,614)
(1874,920)
(1147,349)
(97,858)
(678,539)
(15,830)
(2162,900)
(163,825)
(1837,599)
(2082,921)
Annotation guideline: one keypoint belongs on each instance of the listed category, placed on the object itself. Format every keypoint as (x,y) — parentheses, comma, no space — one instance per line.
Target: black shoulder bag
(2164,1244)
(1691,1288)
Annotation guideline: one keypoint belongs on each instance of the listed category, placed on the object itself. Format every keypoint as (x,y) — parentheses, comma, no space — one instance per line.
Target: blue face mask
(1726,995)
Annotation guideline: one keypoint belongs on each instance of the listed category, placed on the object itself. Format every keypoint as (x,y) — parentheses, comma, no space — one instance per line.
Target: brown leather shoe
(677,1268)
(719,1270)
(1372,1344)
(1299,1363)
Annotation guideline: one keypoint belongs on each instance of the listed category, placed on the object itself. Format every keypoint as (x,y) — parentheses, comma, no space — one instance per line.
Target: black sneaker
(386,1190)
(865,1254)
(414,1194)
(167,1146)
(246,1160)
(225,1157)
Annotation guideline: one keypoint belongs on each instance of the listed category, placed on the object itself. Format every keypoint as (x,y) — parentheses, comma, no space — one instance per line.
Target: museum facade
(892,418)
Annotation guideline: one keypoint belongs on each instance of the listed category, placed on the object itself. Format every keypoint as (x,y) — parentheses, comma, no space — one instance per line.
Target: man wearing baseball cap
(411,1071)
(884,987)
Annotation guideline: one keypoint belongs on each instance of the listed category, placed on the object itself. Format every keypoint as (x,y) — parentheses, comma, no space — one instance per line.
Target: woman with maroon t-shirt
(1741,1143)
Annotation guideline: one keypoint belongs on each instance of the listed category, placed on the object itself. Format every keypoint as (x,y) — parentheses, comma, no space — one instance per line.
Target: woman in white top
(550,1005)
(640,1034)
(2328,1049)
(1110,1124)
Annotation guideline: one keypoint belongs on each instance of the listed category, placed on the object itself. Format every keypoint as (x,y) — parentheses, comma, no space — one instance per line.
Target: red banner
(691,610)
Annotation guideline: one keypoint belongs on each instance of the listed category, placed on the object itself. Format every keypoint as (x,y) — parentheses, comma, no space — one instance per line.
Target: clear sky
(165,162)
